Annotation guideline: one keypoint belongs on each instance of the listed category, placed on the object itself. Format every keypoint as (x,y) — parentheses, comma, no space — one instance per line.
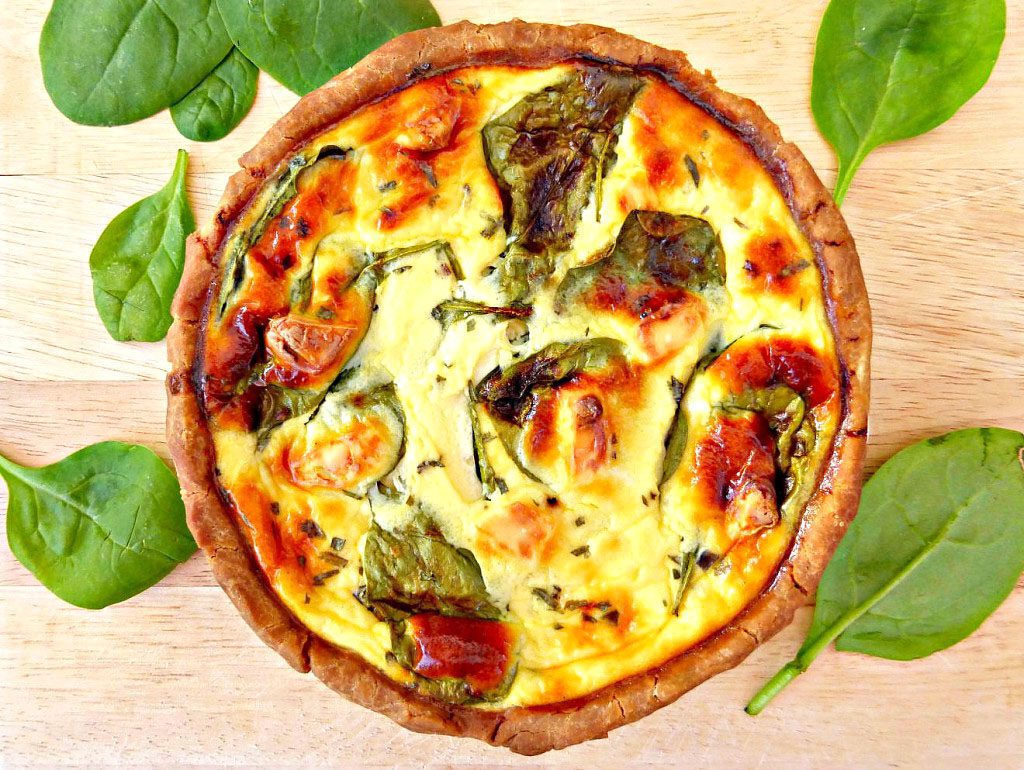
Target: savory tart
(520,383)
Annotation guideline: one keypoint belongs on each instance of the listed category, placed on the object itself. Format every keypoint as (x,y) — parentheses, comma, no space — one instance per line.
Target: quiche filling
(519,380)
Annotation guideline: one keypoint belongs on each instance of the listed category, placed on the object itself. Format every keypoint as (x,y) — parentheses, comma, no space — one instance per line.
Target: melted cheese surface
(601,537)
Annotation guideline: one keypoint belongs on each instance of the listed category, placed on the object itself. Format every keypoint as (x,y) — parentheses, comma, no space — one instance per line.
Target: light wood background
(174,676)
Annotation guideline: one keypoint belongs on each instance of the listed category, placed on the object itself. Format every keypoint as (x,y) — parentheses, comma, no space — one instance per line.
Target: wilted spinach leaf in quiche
(546,350)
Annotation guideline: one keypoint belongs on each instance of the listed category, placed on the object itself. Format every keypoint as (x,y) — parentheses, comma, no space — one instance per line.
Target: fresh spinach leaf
(212,109)
(937,544)
(886,70)
(304,43)
(110,62)
(136,263)
(99,526)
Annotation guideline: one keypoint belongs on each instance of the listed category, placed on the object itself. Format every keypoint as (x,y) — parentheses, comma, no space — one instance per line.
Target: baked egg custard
(519,380)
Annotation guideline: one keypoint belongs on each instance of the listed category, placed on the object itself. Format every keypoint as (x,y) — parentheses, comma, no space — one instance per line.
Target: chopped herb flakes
(493,224)
(333,558)
(311,529)
(583,550)
(319,580)
(552,598)
(707,559)
(692,168)
(793,268)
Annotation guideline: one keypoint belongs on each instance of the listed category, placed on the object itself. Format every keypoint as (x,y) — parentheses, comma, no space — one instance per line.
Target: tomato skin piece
(305,344)
(306,352)
(479,652)
(736,453)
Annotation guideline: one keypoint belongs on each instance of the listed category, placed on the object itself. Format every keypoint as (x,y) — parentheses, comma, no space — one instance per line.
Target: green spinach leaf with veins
(99,526)
(936,546)
(111,62)
(886,70)
(137,262)
(304,43)
(212,109)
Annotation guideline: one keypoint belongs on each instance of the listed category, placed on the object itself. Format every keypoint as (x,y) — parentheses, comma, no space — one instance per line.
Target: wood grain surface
(174,677)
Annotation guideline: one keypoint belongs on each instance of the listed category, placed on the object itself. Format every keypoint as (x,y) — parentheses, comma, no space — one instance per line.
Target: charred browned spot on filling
(228,355)
(773,264)
(778,361)
(659,162)
(423,136)
(276,546)
(540,419)
(325,191)
(419,181)
(590,449)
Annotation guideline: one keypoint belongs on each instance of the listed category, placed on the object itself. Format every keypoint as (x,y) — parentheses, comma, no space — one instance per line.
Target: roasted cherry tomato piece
(479,652)
(735,465)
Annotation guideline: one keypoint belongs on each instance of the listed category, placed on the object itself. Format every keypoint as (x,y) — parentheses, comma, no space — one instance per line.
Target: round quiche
(520,383)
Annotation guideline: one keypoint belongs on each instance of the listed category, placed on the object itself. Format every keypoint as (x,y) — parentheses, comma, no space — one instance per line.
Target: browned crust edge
(526,730)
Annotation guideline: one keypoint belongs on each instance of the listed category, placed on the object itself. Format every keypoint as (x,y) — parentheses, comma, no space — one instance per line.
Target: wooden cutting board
(174,676)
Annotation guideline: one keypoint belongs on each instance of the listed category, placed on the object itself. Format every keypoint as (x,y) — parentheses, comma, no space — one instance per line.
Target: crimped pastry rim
(526,730)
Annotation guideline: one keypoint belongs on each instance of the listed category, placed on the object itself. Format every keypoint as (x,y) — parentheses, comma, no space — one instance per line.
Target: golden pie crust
(533,729)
